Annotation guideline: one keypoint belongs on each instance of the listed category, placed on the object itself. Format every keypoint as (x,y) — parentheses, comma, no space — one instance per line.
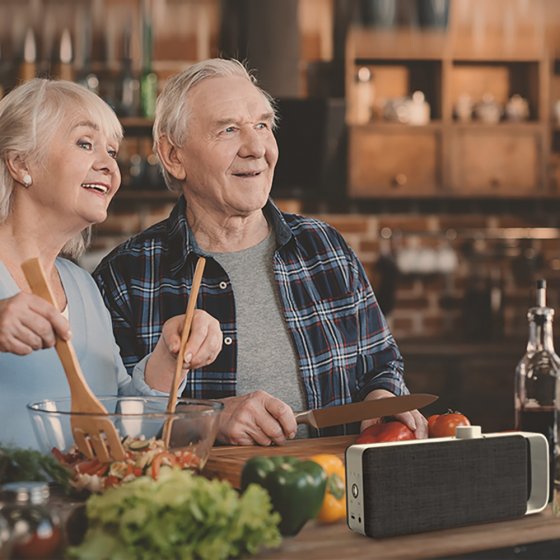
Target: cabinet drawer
(496,162)
(393,161)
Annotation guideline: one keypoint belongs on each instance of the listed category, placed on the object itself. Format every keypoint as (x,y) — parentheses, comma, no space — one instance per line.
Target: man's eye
(85,145)
(229,129)
(262,125)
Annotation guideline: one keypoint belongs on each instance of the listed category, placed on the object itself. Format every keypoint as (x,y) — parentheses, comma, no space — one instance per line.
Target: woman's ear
(17,167)
(171,159)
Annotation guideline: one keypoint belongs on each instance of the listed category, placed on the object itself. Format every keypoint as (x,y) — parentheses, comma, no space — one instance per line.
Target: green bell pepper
(296,487)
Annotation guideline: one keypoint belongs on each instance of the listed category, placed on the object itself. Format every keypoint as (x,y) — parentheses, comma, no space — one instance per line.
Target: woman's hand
(203,346)
(28,323)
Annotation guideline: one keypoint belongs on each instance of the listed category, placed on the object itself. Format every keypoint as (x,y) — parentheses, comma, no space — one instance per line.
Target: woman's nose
(105,162)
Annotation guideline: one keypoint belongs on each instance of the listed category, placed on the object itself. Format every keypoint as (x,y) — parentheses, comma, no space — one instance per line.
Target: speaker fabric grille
(431,486)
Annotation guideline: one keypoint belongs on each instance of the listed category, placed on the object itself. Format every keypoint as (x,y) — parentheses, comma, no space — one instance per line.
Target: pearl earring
(27,180)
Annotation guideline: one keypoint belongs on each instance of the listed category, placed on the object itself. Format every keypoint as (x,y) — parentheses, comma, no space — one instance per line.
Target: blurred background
(426,131)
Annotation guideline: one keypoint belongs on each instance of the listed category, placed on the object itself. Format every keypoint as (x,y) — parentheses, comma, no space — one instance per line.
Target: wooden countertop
(333,542)
(325,542)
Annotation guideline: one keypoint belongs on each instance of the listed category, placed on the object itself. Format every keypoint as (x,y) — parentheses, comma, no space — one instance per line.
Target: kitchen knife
(354,412)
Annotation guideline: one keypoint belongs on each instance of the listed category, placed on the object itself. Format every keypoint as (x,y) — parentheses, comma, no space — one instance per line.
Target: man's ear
(170,157)
(17,167)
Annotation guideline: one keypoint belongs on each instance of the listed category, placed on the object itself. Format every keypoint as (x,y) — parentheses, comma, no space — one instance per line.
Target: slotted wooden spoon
(191,305)
(95,437)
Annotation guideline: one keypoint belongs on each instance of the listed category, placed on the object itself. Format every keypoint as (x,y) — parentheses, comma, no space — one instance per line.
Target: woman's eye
(85,145)
(113,153)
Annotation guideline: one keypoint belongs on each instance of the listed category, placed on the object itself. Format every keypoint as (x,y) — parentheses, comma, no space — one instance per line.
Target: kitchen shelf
(456,159)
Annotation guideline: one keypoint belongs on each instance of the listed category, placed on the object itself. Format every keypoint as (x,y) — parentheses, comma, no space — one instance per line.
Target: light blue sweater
(39,375)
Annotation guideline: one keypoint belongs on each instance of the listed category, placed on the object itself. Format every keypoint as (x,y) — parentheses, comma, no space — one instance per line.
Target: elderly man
(301,325)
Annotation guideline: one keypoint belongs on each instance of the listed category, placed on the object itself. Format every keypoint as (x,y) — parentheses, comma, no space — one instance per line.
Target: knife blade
(354,412)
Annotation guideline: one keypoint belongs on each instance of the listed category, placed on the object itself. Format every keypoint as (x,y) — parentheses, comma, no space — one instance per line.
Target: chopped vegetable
(334,502)
(180,515)
(143,457)
(296,487)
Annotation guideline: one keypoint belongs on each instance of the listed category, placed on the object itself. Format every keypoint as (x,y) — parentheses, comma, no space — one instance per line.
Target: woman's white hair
(172,107)
(29,116)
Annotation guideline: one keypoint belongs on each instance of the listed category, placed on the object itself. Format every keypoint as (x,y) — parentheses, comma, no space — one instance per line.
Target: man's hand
(203,346)
(256,419)
(414,419)
(28,323)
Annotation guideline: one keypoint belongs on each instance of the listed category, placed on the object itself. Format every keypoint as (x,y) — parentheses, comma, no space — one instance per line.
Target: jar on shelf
(34,531)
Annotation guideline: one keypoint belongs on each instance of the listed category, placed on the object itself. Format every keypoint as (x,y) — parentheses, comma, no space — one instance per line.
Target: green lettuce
(179,516)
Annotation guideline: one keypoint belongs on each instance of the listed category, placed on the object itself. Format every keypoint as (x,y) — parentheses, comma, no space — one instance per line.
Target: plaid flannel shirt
(343,344)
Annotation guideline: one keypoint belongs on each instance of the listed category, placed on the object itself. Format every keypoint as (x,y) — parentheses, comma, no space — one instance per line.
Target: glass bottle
(35,532)
(148,79)
(363,96)
(129,85)
(536,375)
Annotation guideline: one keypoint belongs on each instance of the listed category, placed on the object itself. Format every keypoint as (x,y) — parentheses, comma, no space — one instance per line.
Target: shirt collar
(182,241)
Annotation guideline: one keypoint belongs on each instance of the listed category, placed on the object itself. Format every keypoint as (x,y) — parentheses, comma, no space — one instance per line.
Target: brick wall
(484,287)
(462,276)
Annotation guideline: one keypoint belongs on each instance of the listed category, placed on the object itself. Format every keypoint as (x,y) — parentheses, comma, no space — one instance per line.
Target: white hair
(29,116)
(172,107)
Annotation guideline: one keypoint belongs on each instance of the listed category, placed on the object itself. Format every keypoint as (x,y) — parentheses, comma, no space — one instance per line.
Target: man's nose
(252,144)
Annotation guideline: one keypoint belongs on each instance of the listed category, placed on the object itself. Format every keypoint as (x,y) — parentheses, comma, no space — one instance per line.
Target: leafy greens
(27,464)
(181,515)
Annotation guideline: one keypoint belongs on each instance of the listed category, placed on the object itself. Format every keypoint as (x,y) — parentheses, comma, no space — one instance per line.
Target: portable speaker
(423,485)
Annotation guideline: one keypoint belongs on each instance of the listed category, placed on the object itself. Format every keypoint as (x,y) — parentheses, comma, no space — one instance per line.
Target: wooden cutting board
(227,462)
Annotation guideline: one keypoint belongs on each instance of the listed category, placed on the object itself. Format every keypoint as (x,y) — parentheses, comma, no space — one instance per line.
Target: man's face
(230,152)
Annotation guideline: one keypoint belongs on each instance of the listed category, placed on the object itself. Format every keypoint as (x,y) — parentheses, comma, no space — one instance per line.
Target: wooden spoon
(191,305)
(95,436)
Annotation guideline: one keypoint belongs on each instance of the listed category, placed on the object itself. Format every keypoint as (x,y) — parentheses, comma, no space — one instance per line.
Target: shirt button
(223,285)
(228,340)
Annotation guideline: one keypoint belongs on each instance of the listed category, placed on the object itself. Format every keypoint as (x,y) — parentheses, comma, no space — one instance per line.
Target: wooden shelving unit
(476,55)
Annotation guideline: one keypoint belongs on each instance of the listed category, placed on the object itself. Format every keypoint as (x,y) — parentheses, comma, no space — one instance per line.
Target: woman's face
(79,175)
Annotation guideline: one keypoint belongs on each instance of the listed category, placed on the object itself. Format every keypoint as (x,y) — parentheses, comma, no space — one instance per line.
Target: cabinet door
(496,162)
(393,161)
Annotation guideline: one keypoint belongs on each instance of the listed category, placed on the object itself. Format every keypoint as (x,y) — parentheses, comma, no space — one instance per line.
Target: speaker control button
(468,432)
(355,490)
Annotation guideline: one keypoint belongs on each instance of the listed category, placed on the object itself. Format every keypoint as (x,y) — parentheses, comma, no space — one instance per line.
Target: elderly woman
(58,173)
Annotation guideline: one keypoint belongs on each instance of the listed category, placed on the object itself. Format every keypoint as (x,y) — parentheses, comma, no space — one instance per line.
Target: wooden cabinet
(454,155)
(496,160)
(394,160)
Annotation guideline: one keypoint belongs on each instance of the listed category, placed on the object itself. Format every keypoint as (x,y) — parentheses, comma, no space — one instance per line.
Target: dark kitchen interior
(454,215)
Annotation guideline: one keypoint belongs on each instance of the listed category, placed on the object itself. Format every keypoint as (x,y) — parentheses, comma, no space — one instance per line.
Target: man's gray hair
(29,117)
(172,107)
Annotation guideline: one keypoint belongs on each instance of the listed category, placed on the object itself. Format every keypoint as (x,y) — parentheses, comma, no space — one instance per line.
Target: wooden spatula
(191,305)
(95,437)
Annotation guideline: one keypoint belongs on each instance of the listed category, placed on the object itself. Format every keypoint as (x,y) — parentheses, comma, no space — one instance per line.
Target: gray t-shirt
(266,357)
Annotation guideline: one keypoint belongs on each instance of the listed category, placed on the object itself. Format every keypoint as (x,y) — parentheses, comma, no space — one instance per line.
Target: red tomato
(443,425)
(188,460)
(388,431)
(89,466)
(431,421)
(111,481)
